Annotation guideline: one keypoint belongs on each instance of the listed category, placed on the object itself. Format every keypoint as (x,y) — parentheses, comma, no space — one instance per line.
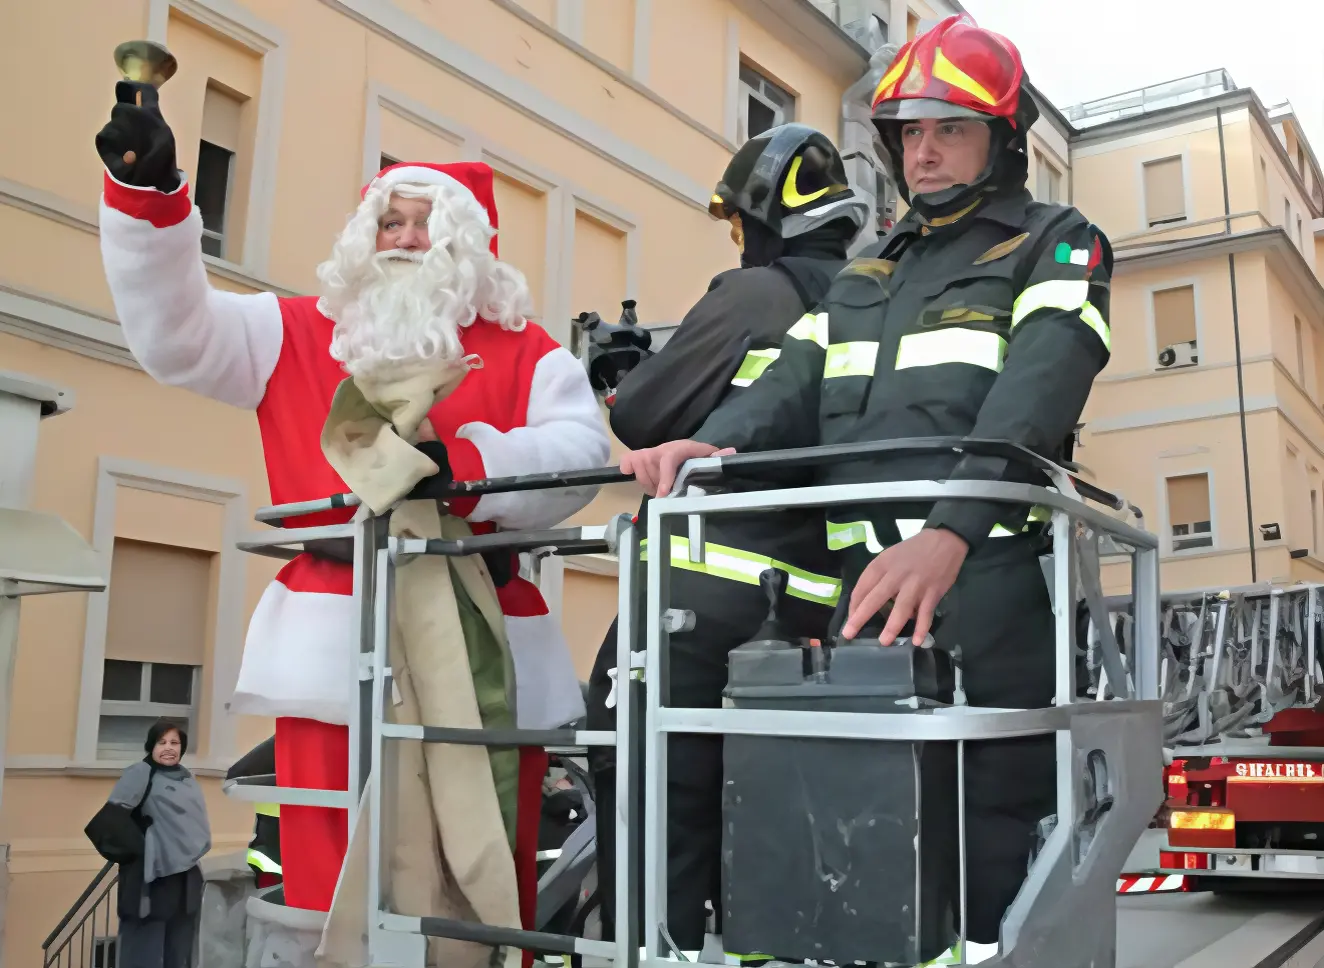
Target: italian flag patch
(1065,254)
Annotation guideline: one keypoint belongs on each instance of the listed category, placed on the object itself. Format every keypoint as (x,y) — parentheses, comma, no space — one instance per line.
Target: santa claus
(414,277)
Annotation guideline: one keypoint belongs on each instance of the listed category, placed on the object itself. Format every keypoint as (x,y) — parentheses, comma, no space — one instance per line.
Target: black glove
(136,126)
(436,485)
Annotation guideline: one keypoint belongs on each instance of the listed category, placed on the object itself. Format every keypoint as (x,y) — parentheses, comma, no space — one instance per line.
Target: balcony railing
(1184,90)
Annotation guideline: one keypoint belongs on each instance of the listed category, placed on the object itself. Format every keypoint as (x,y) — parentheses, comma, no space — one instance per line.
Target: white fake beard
(403,318)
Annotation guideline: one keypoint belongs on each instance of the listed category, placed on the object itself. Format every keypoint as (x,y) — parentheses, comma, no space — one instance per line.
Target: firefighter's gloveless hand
(655,468)
(136,145)
(915,575)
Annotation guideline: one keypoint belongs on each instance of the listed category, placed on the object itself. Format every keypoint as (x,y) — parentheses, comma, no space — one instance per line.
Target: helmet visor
(919,108)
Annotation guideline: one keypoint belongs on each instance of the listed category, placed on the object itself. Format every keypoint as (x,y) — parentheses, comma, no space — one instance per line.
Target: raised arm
(223,345)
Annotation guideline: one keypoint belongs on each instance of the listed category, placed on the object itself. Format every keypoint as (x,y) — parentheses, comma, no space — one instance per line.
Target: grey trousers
(151,943)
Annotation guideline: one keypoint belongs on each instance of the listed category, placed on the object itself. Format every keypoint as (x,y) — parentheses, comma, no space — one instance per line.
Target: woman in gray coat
(154,825)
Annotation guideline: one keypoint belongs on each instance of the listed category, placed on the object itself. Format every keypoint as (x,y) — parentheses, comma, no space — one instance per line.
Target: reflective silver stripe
(811,327)
(753,365)
(850,359)
(955,345)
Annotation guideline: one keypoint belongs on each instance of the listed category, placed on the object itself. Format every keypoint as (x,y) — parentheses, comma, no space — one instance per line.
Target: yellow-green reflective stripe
(1094,320)
(842,535)
(262,862)
(753,365)
(267,809)
(721,561)
(811,327)
(1065,294)
(850,359)
(955,345)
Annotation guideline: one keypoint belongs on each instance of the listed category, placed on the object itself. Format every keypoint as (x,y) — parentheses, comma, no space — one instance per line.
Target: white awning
(41,554)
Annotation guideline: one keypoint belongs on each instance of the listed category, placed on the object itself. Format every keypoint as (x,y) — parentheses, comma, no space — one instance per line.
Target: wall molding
(228,630)
(731,81)
(232,20)
(412,34)
(641,60)
(52,322)
(564,198)
(1204,410)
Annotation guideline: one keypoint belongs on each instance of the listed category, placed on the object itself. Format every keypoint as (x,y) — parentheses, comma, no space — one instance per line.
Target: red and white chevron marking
(1130,884)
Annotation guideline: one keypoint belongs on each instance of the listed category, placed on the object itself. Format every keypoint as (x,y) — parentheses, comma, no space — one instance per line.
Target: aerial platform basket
(1109,753)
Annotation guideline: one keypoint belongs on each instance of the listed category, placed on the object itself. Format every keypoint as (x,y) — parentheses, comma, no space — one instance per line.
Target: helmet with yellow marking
(792,179)
(958,70)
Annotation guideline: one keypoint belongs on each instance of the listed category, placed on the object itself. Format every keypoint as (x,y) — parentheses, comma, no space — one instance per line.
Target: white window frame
(230,618)
(1188,200)
(222,236)
(1214,544)
(231,20)
(780,115)
(1152,323)
(144,708)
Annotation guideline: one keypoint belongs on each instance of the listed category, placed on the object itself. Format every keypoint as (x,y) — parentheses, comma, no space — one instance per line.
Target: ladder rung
(536,941)
(501,737)
(287,796)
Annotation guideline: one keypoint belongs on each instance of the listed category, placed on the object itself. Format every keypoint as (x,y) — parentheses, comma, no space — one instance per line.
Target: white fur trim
(223,345)
(298,656)
(564,432)
(548,693)
(300,650)
(419,175)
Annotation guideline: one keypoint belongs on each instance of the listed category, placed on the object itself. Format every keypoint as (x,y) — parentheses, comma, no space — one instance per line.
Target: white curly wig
(392,309)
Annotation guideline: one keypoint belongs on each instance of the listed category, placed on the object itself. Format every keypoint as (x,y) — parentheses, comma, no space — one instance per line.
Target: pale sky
(1078,50)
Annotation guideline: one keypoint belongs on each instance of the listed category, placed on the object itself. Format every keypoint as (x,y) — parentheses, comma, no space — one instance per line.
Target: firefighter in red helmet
(982,314)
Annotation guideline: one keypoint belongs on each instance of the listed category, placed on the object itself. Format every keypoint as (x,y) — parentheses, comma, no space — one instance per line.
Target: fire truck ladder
(1109,763)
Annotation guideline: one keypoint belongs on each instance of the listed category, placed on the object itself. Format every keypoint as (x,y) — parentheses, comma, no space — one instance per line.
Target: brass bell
(145,62)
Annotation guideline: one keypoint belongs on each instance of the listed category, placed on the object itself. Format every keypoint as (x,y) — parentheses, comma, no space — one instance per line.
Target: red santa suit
(529,409)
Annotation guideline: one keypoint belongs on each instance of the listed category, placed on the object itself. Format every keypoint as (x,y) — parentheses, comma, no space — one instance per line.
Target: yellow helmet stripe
(947,72)
(791,196)
(891,77)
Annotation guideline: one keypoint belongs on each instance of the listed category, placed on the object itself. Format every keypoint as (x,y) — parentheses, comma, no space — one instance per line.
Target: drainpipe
(1236,342)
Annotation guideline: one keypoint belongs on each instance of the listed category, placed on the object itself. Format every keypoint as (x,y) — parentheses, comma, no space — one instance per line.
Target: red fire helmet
(954,70)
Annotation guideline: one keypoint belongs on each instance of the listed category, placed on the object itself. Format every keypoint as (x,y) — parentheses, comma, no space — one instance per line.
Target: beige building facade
(607,123)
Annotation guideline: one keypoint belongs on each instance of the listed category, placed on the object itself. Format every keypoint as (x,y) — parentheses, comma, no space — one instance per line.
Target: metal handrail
(56,957)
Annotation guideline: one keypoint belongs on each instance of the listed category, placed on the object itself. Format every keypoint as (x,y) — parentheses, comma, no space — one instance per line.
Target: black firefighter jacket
(724,342)
(991,326)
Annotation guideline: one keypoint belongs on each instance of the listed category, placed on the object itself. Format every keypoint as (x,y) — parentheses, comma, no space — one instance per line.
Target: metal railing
(1155,97)
(75,942)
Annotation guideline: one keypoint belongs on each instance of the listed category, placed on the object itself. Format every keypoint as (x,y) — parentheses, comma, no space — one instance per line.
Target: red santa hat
(474,177)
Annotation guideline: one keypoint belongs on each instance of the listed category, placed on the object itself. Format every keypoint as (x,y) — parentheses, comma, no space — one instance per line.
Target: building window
(1048,181)
(1287,215)
(1174,327)
(1165,192)
(136,694)
(1189,517)
(221,116)
(387,161)
(763,104)
(1300,234)
(156,638)
(1262,186)
(1301,160)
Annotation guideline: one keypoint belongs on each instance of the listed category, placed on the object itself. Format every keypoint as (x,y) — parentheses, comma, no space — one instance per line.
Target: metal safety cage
(1109,754)
(1067,903)
(394,940)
